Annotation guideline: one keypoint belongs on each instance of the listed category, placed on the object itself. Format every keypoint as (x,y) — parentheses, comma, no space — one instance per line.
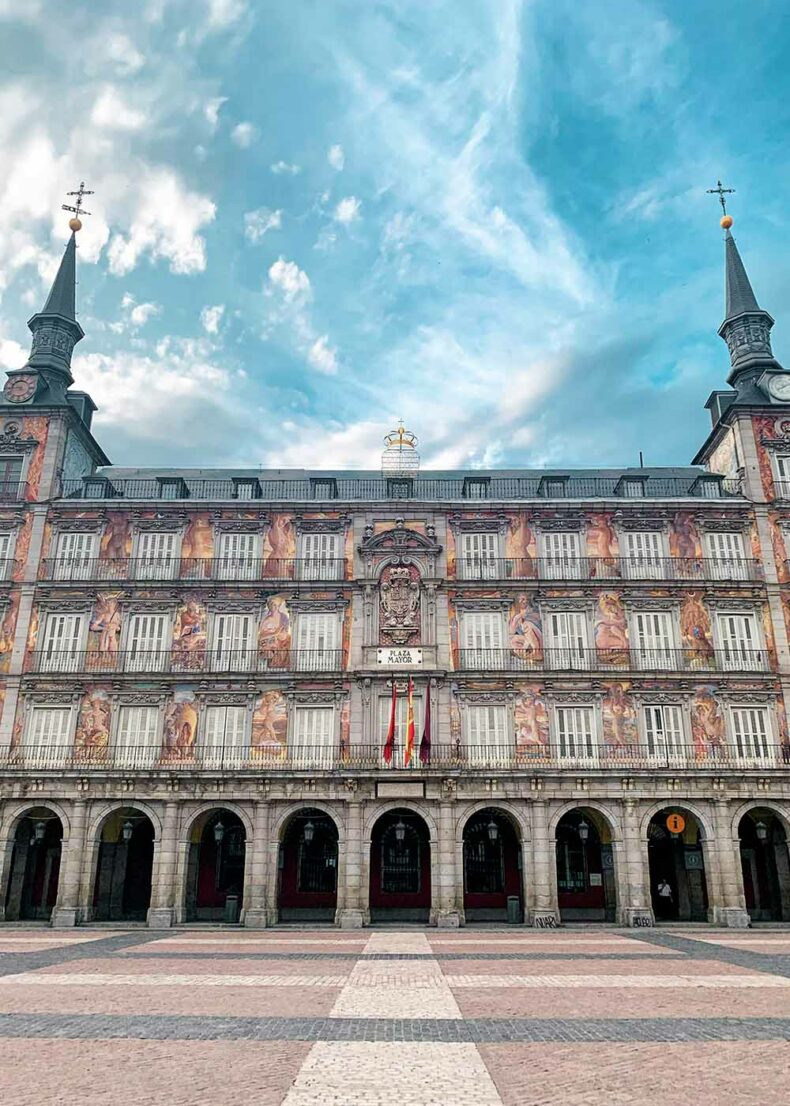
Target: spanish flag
(409,750)
(389,744)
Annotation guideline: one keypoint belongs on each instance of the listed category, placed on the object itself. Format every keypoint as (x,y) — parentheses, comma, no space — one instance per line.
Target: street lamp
(127,831)
(309,830)
(761,830)
(400,830)
(39,829)
(584,831)
(219,832)
(493,830)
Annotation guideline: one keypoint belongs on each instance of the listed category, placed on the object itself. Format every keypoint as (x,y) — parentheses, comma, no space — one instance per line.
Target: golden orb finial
(726,221)
(75,224)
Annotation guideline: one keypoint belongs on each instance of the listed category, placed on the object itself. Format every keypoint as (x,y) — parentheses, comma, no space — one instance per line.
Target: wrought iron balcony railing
(591,659)
(571,754)
(177,661)
(729,569)
(152,569)
(13,491)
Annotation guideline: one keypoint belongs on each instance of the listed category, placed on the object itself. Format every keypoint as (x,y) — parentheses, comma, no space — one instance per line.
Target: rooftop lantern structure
(400,457)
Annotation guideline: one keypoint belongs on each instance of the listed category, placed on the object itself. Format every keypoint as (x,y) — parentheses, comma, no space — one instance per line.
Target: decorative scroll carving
(399,605)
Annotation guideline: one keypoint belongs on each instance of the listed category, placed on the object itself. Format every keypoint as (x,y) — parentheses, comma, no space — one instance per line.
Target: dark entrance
(492,867)
(122,891)
(585,868)
(308,868)
(678,886)
(765,866)
(35,867)
(215,877)
(400,868)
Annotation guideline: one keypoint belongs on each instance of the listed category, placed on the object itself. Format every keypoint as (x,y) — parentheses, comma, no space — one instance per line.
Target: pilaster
(67,907)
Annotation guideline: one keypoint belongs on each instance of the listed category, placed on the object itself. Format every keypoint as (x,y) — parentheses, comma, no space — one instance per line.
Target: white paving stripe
(404,989)
(397,942)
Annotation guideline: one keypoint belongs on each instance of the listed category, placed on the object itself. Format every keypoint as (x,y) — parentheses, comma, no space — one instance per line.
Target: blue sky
(315,216)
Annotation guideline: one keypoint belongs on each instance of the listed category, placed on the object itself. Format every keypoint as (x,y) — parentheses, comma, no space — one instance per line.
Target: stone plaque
(397,789)
(399,657)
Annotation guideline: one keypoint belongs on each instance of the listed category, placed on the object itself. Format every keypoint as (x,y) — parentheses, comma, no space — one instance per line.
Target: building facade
(207,677)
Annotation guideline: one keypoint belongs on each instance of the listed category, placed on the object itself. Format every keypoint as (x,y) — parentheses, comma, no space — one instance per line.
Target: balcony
(179,662)
(193,569)
(671,569)
(369,758)
(613,660)
(12,491)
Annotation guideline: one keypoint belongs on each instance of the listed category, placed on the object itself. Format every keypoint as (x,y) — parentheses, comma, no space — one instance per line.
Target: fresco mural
(779,548)
(279,546)
(7,630)
(684,539)
(450,552)
(104,632)
(764,427)
(696,633)
(602,546)
(36,426)
(610,630)
(455,721)
(521,546)
(618,712)
(532,722)
(525,632)
(32,638)
(22,549)
(197,545)
(786,611)
(274,633)
(724,458)
(269,725)
(190,634)
(345,729)
(707,723)
(180,725)
(768,632)
(116,541)
(92,733)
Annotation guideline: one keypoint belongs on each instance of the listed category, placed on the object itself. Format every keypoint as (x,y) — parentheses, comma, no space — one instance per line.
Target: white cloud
(112,114)
(243,135)
(280,167)
(121,54)
(260,222)
(322,356)
(211,317)
(12,355)
(222,13)
(336,157)
(358,445)
(289,279)
(347,211)
(211,110)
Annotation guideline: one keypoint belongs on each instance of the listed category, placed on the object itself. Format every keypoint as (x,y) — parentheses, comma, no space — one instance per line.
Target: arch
(101,815)
(124,865)
(492,875)
(780,812)
(400,865)
(584,837)
(307,875)
(206,808)
(701,817)
(286,813)
(677,865)
(217,837)
(375,813)
(36,846)
(765,863)
(515,813)
(610,820)
(14,812)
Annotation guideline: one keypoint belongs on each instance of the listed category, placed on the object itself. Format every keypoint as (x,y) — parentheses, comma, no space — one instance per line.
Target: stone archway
(308,867)
(215,867)
(586,886)
(492,866)
(765,865)
(32,888)
(122,887)
(676,861)
(400,868)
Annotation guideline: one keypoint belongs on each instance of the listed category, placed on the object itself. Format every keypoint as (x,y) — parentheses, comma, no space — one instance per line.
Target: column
(634,904)
(447,913)
(67,907)
(352,912)
(161,914)
(730,909)
(543,870)
(255,913)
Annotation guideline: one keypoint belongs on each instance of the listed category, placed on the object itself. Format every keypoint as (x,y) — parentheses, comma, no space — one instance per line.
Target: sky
(314,217)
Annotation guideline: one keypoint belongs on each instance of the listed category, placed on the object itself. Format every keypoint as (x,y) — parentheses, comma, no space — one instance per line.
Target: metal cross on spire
(720,192)
(76,223)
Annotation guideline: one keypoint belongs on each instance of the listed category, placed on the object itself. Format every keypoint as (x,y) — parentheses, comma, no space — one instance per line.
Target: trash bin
(513,910)
(232,909)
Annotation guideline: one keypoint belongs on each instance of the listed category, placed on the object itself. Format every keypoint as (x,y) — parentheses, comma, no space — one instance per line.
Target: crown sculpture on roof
(400,456)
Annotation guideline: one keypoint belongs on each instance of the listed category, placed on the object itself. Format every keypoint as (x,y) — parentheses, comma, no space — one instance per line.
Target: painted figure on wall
(279,548)
(116,541)
(345,729)
(695,631)
(532,722)
(189,634)
(610,630)
(765,430)
(779,547)
(707,723)
(269,725)
(92,735)
(197,546)
(525,631)
(521,546)
(684,539)
(619,717)
(180,726)
(602,546)
(104,632)
(38,428)
(22,548)
(7,630)
(274,633)
(455,721)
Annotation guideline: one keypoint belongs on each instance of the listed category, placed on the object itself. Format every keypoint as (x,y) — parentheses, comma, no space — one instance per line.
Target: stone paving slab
(196,966)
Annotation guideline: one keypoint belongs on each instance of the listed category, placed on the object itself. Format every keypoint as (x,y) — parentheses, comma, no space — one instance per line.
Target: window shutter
(738,636)
(645,552)
(568,631)
(5,553)
(224,736)
(237,556)
(750,732)
(664,731)
(479,556)
(75,552)
(320,556)
(232,642)
(156,554)
(726,560)
(483,639)
(62,639)
(562,554)
(146,641)
(317,636)
(49,733)
(654,639)
(575,732)
(137,739)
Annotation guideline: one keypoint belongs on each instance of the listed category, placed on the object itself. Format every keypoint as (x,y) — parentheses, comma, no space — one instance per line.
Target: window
(653,639)
(739,642)
(156,555)
(137,738)
(10,476)
(48,736)
(401,710)
(632,487)
(553,487)
(321,557)
(576,733)
(751,734)
(317,641)
(486,734)
(232,648)
(400,487)
(479,556)
(145,643)
(567,640)
(6,551)
(225,743)
(664,733)
(644,551)
(313,736)
(172,487)
(323,487)
(237,556)
(709,489)
(562,555)
(75,556)
(62,643)
(482,639)
(724,550)
(782,470)
(246,488)
(476,487)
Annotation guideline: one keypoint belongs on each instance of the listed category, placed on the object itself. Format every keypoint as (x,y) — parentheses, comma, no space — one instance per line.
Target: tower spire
(55,328)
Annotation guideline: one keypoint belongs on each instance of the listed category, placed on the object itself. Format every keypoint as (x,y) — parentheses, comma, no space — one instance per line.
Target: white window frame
(742,657)
(244,563)
(471,624)
(64,653)
(574,748)
(762,751)
(55,753)
(317,658)
(488,744)
(665,743)
(75,555)
(321,555)
(567,649)
(650,564)
(312,745)
(654,654)
(242,654)
(224,754)
(562,556)
(151,658)
(780,465)
(478,554)
(7,548)
(722,564)
(157,564)
(142,754)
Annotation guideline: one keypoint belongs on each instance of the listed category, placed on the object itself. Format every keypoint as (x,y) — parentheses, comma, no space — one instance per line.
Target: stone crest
(399,605)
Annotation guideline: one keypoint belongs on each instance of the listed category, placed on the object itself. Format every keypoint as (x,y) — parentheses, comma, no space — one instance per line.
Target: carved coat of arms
(399,609)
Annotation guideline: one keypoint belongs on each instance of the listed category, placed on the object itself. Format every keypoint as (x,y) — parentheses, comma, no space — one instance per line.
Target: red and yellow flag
(408,752)
(389,744)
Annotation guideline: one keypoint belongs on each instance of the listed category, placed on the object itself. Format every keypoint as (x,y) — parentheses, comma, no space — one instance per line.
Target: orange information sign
(676,823)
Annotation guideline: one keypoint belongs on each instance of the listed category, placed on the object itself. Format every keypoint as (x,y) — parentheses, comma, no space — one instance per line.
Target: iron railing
(572,754)
(633,658)
(13,490)
(201,659)
(730,569)
(151,569)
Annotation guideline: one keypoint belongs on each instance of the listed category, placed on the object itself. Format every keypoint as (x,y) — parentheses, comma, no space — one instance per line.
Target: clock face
(19,388)
(779,387)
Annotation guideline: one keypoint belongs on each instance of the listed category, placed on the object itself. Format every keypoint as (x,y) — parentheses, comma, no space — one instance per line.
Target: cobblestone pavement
(412,1017)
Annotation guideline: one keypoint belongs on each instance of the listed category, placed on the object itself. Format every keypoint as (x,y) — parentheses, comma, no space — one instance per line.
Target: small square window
(631,487)
(246,488)
(553,487)
(323,487)
(172,487)
(476,487)
(97,487)
(400,488)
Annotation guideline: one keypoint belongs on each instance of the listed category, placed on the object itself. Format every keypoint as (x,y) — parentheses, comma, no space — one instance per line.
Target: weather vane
(721,192)
(75,223)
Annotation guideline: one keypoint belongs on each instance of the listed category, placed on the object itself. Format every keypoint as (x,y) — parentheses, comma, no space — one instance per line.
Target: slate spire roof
(739,294)
(62,295)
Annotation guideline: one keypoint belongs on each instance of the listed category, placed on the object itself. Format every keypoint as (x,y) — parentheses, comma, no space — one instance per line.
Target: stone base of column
(448,919)
(160,917)
(637,917)
(257,918)
(64,917)
(733,917)
(545,919)
(350,919)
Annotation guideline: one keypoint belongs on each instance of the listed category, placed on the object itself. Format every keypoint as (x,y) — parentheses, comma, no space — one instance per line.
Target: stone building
(199,668)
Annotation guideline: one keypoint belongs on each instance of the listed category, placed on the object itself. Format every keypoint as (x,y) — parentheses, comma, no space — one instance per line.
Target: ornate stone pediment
(400,543)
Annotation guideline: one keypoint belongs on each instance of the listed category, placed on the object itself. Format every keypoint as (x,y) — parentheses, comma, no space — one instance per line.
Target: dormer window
(553,487)
(246,487)
(476,487)
(707,486)
(172,487)
(323,487)
(97,487)
(631,487)
(400,487)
